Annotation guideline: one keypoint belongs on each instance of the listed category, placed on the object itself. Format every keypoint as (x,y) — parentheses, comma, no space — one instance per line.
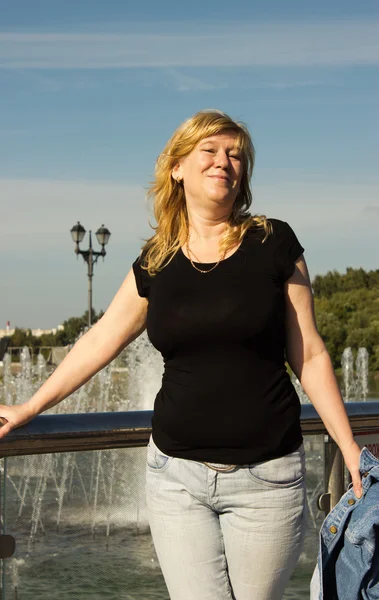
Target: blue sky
(91,90)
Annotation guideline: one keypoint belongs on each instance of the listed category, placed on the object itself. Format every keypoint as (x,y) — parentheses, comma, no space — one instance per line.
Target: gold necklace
(201,270)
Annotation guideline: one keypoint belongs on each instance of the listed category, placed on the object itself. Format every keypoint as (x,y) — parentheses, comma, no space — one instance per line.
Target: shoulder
(143,279)
(279,228)
(282,232)
(279,232)
(285,246)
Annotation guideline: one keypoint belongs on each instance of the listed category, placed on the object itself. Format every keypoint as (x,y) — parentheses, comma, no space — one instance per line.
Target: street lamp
(90,256)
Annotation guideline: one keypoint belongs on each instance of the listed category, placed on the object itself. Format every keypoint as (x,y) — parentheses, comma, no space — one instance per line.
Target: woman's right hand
(13,416)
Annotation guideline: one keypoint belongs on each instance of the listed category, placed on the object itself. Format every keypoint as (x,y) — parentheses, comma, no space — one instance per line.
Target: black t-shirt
(226,396)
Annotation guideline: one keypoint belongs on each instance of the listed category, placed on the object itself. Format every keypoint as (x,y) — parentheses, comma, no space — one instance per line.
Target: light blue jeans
(234,535)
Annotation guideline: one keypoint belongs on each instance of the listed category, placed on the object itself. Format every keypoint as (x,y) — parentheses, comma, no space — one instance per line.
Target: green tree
(347,312)
(73,327)
(354,279)
(20,337)
(333,334)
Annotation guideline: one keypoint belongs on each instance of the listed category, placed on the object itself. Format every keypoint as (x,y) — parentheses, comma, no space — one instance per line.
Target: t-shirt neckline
(209,264)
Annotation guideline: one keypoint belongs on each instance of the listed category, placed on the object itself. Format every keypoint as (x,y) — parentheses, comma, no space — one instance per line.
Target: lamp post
(90,256)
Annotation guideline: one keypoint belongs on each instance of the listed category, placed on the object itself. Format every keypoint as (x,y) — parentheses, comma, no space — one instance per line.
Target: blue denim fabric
(348,558)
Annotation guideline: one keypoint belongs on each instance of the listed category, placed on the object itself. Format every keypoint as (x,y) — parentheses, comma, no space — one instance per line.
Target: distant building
(6,332)
(36,332)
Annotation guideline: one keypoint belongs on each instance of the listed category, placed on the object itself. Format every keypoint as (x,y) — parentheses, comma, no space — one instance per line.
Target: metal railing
(51,433)
(78,432)
(99,431)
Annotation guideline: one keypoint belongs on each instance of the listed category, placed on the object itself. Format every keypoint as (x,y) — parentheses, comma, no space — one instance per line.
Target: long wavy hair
(169,202)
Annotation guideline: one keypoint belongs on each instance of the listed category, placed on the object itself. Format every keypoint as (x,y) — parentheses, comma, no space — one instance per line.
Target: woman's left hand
(351,455)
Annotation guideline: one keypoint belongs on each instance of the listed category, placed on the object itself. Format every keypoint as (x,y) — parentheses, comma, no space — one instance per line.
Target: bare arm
(123,322)
(310,361)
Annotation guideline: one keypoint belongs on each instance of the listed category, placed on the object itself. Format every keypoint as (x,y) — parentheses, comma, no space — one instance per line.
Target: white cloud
(14,132)
(283,85)
(36,207)
(33,208)
(186,83)
(331,43)
(44,284)
(315,204)
(371,211)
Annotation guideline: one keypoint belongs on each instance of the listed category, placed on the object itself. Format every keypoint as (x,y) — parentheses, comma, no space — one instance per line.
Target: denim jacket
(348,557)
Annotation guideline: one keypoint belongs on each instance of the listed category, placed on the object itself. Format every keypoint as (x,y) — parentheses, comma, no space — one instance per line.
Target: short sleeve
(142,278)
(288,248)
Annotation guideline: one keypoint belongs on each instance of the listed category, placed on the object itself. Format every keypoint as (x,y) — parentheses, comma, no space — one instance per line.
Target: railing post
(334,476)
(7,542)
(2,522)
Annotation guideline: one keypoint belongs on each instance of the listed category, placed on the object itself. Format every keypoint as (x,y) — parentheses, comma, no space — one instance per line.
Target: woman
(223,295)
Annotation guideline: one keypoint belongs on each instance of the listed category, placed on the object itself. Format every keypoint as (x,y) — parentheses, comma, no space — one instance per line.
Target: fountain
(7,395)
(41,369)
(362,374)
(355,383)
(59,500)
(348,379)
(354,386)
(299,390)
(42,488)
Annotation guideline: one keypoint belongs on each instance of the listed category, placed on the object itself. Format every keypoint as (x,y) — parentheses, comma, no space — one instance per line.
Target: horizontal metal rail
(50,433)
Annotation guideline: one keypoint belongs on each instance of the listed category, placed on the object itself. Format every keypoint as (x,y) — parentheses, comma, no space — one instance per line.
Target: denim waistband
(220,467)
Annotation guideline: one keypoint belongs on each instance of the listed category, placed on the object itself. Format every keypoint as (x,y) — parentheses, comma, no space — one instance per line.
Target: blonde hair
(169,203)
